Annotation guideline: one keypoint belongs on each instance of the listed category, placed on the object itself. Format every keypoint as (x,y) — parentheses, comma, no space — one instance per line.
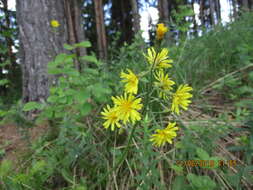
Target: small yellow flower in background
(127,107)
(164,135)
(180,98)
(164,83)
(160,31)
(55,23)
(111,118)
(161,59)
(131,81)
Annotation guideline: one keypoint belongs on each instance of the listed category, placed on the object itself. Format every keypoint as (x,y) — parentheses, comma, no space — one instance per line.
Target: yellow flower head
(127,107)
(55,23)
(111,117)
(164,135)
(160,60)
(164,83)
(160,31)
(131,81)
(180,98)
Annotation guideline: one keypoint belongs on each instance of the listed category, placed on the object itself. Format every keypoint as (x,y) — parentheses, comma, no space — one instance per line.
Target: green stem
(121,159)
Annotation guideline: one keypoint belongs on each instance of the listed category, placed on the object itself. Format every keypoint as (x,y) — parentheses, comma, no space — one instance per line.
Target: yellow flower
(164,135)
(55,23)
(164,83)
(111,117)
(127,107)
(160,60)
(131,81)
(180,98)
(160,31)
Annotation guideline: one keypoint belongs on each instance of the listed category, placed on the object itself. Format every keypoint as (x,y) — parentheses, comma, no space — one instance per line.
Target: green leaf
(202,154)
(3,82)
(177,169)
(32,106)
(84,44)
(91,71)
(179,183)
(5,168)
(54,71)
(89,58)
(68,47)
(201,182)
(82,96)
(86,109)
(60,58)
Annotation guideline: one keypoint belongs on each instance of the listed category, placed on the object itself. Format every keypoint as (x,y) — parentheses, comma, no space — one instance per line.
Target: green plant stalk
(121,159)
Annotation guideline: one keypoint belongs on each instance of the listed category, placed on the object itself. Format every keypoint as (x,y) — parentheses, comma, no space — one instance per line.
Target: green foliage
(215,54)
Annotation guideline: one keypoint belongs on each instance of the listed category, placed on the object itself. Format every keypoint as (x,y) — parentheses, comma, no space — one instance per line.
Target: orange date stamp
(206,163)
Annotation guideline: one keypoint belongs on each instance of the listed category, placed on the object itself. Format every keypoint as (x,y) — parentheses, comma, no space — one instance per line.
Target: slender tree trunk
(234,4)
(163,8)
(40,43)
(201,13)
(74,26)
(245,5)
(218,10)
(212,12)
(100,26)
(136,16)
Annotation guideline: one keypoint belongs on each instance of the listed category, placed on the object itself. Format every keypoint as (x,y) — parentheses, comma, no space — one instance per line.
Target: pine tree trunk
(100,26)
(136,16)
(202,13)
(163,8)
(74,26)
(218,10)
(40,43)
(234,4)
(212,12)
(245,5)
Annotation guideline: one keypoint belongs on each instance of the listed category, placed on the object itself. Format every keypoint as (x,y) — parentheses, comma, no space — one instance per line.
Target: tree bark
(245,5)
(136,16)
(163,8)
(202,13)
(100,27)
(40,43)
(212,12)
(75,29)
(234,4)
(218,10)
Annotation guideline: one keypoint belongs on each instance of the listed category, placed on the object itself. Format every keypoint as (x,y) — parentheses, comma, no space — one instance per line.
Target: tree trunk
(234,4)
(136,16)
(212,12)
(74,26)
(40,43)
(163,8)
(202,13)
(218,10)
(100,26)
(245,4)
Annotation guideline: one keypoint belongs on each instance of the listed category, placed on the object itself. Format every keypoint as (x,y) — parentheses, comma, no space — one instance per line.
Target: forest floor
(14,141)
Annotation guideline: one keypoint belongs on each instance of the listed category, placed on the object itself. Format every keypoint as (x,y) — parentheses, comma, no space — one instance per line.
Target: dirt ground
(14,142)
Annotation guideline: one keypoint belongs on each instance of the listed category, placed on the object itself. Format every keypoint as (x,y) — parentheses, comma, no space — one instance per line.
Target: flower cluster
(127,106)
(160,31)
